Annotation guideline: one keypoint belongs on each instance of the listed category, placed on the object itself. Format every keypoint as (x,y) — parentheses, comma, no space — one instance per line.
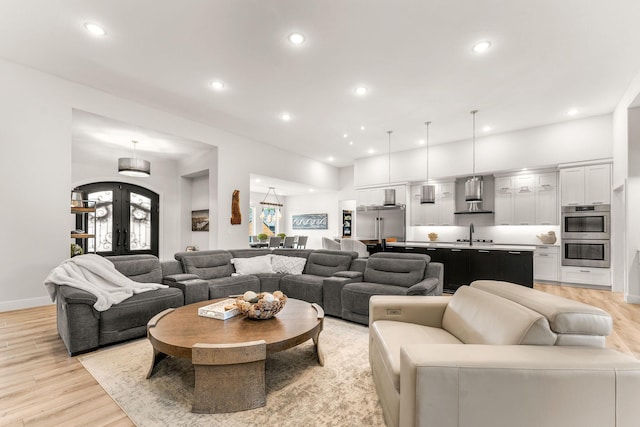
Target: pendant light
(473,186)
(389,193)
(133,166)
(428,191)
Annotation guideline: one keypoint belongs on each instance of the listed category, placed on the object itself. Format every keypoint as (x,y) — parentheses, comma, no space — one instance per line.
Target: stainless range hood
(467,190)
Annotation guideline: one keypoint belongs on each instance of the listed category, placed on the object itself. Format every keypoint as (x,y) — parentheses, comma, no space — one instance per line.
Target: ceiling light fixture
(371,151)
(94,29)
(473,186)
(361,90)
(217,85)
(428,191)
(345,135)
(481,47)
(389,193)
(275,203)
(350,142)
(331,159)
(486,128)
(296,38)
(572,112)
(285,116)
(362,128)
(133,166)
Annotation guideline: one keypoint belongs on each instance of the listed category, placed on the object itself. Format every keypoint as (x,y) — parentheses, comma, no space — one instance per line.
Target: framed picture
(200,220)
(310,221)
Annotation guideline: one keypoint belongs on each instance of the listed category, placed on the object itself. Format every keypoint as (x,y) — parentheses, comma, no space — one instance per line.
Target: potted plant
(281,235)
(262,237)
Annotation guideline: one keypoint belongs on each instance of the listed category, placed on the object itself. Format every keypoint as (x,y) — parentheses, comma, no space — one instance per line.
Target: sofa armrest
(76,296)
(358,264)
(436,270)
(332,291)
(426,287)
(350,275)
(421,310)
(193,288)
(460,385)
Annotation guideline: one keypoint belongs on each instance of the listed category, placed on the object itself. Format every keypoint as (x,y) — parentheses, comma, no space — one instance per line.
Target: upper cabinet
(439,213)
(375,196)
(526,199)
(586,185)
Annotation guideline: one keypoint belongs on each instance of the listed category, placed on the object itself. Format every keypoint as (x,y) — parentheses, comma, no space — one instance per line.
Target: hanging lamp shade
(133,166)
(473,186)
(427,191)
(389,193)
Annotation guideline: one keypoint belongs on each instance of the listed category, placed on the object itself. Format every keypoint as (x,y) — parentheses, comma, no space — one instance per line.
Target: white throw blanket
(98,276)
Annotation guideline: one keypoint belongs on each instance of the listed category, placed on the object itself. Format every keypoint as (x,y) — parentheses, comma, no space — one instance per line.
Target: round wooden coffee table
(229,355)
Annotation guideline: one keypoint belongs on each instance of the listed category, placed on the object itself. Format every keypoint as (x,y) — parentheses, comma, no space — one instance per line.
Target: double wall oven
(586,236)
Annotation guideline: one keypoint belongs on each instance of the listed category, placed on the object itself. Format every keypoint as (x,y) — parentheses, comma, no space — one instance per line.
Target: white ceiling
(414,55)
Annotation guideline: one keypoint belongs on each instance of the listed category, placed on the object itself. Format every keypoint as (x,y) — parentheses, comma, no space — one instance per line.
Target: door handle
(125,238)
(117,237)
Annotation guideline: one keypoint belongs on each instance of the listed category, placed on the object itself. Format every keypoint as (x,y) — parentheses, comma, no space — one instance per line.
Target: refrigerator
(381,222)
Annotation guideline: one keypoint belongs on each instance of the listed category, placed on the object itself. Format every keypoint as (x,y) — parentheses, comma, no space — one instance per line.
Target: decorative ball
(266,305)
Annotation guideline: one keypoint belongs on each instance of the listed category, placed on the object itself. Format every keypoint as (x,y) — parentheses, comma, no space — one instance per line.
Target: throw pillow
(253,265)
(287,264)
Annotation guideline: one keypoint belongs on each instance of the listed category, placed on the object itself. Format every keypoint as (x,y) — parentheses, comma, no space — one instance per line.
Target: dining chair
(302,242)
(274,241)
(289,241)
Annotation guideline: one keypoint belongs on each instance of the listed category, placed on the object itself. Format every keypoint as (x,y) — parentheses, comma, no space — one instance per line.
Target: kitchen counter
(465,245)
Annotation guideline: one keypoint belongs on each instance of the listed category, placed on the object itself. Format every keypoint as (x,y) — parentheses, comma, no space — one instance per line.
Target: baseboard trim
(632,299)
(19,304)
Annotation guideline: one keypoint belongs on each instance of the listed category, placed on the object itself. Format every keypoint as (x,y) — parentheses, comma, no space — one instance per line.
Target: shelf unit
(347,223)
(89,206)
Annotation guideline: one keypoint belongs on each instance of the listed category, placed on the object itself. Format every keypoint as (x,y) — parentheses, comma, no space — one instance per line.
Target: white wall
(325,202)
(566,142)
(35,137)
(200,201)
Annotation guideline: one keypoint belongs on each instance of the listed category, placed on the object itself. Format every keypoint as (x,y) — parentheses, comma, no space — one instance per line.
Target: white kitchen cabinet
(546,198)
(546,263)
(586,275)
(524,202)
(439,213)
(503,201)
(586,185)
(526,199)
(375,196)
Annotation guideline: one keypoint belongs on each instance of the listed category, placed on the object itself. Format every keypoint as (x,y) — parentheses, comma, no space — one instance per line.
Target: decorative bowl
(266,306)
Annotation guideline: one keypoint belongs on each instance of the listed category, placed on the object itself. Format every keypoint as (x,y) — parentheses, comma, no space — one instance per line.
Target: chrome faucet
(471,231)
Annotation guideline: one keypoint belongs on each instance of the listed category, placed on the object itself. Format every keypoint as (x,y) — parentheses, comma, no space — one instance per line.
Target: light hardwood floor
(41,386)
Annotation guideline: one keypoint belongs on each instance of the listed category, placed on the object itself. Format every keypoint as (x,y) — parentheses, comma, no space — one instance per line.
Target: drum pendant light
(427,191)
(133,166)
(473,186)
(389,193)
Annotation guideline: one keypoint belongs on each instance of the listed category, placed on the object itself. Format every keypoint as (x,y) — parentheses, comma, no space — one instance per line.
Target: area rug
(299,390)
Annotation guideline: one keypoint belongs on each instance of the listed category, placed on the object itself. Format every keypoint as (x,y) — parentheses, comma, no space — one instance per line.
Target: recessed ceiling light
(258,180)
(421,141)
(296,38)
(361,90)
(481,47)
(350,142)
(345,135)
(95,29)
(217,85)
(285,116)
(371,151)
(361,127)
(572,112)
(311,190)
(486,128)
(331,159)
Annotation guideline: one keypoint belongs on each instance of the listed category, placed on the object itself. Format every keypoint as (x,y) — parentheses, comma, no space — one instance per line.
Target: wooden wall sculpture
(236,216)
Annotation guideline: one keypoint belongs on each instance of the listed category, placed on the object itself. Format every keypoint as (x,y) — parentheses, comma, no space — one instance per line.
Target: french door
(127,218)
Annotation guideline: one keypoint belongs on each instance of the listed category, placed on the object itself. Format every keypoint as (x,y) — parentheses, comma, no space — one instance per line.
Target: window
(126,219)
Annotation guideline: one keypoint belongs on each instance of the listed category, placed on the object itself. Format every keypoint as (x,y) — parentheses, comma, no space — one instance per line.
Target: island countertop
(465,245)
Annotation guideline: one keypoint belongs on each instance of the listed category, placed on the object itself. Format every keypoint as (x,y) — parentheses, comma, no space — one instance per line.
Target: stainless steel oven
(586,222)
(586,253)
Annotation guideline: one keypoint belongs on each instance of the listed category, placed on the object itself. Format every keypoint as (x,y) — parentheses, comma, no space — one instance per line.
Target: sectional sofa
(499,354)
(316,276)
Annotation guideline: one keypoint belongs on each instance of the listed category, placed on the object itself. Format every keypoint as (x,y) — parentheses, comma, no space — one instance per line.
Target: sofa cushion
(325,263)
(223,287)
(389,336)
(395,271)
(287,264)
(121,320)
(206,264)
(478,317)
(139,268)
(305,287)
(253,265)
(565,316)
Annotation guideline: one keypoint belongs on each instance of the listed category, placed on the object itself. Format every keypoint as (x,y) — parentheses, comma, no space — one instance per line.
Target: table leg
(157,357)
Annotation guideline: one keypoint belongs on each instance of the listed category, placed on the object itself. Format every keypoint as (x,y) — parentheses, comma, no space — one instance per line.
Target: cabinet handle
(514,253)
(545,223)
(543,254)
(456,250)
(482,251)
(597,203)
(408,248)
(573,204)
(585,271)
(524,223)
(431,249)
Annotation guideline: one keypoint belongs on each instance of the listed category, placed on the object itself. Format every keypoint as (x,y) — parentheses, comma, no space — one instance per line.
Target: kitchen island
(464,263)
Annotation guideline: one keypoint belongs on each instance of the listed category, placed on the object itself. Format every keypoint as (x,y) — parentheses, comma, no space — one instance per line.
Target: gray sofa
(389,273)
(82,328)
